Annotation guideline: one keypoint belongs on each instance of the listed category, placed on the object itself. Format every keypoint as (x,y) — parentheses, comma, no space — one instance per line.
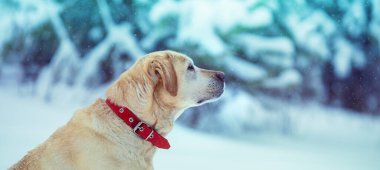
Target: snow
(287,78)
(311,32)
(258,44)
(118,35)
(27,121)
(242,113)
(374,27)
(5,29)
(250,111)
(201,26)
(211,30)
(355,20)
(244,70)
(68,67)
(32,13)
(346,57)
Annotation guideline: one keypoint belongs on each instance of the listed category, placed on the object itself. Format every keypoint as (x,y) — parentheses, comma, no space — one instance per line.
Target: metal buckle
(138,127)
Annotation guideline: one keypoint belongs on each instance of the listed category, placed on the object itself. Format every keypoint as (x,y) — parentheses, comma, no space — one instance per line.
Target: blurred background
(303,76)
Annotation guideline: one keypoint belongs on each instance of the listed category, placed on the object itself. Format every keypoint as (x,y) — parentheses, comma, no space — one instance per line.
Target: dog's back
(75,146)
(48,155)
(87,141)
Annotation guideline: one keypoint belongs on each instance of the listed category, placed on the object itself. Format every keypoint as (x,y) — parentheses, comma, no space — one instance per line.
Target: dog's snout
(220,75)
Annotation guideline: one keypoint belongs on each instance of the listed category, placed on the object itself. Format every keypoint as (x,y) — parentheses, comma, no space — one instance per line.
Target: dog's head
(166,80)
(179,82)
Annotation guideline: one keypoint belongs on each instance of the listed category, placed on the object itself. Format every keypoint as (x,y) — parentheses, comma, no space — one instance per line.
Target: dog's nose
(220,75)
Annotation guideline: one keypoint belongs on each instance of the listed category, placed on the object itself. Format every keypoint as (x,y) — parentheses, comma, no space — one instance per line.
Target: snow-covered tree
(325,51)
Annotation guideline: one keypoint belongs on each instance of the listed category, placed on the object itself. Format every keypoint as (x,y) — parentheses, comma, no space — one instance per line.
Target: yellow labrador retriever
(153,92)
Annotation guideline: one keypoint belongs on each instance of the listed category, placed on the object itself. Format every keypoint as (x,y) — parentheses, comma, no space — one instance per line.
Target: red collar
(139,128)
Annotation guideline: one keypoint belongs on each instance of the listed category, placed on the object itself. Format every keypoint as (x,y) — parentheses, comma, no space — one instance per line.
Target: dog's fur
(157,88)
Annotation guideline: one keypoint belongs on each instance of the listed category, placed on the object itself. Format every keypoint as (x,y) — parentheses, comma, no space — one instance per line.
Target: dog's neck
(114,129)
(152,112)
(128,144)
(140,99)
(135,91)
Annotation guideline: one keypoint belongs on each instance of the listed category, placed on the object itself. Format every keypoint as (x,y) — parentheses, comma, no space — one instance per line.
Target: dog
(154,91)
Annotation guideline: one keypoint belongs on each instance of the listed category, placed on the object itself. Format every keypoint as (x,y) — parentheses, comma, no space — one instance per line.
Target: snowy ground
(26,121)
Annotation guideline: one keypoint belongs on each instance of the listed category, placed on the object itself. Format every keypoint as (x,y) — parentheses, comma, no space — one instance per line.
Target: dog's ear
(162,69)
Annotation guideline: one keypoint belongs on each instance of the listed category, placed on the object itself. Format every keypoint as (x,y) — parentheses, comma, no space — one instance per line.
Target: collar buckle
(138,127)
(130,119)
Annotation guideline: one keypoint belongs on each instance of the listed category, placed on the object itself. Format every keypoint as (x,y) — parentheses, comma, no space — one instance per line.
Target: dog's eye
(190,67)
